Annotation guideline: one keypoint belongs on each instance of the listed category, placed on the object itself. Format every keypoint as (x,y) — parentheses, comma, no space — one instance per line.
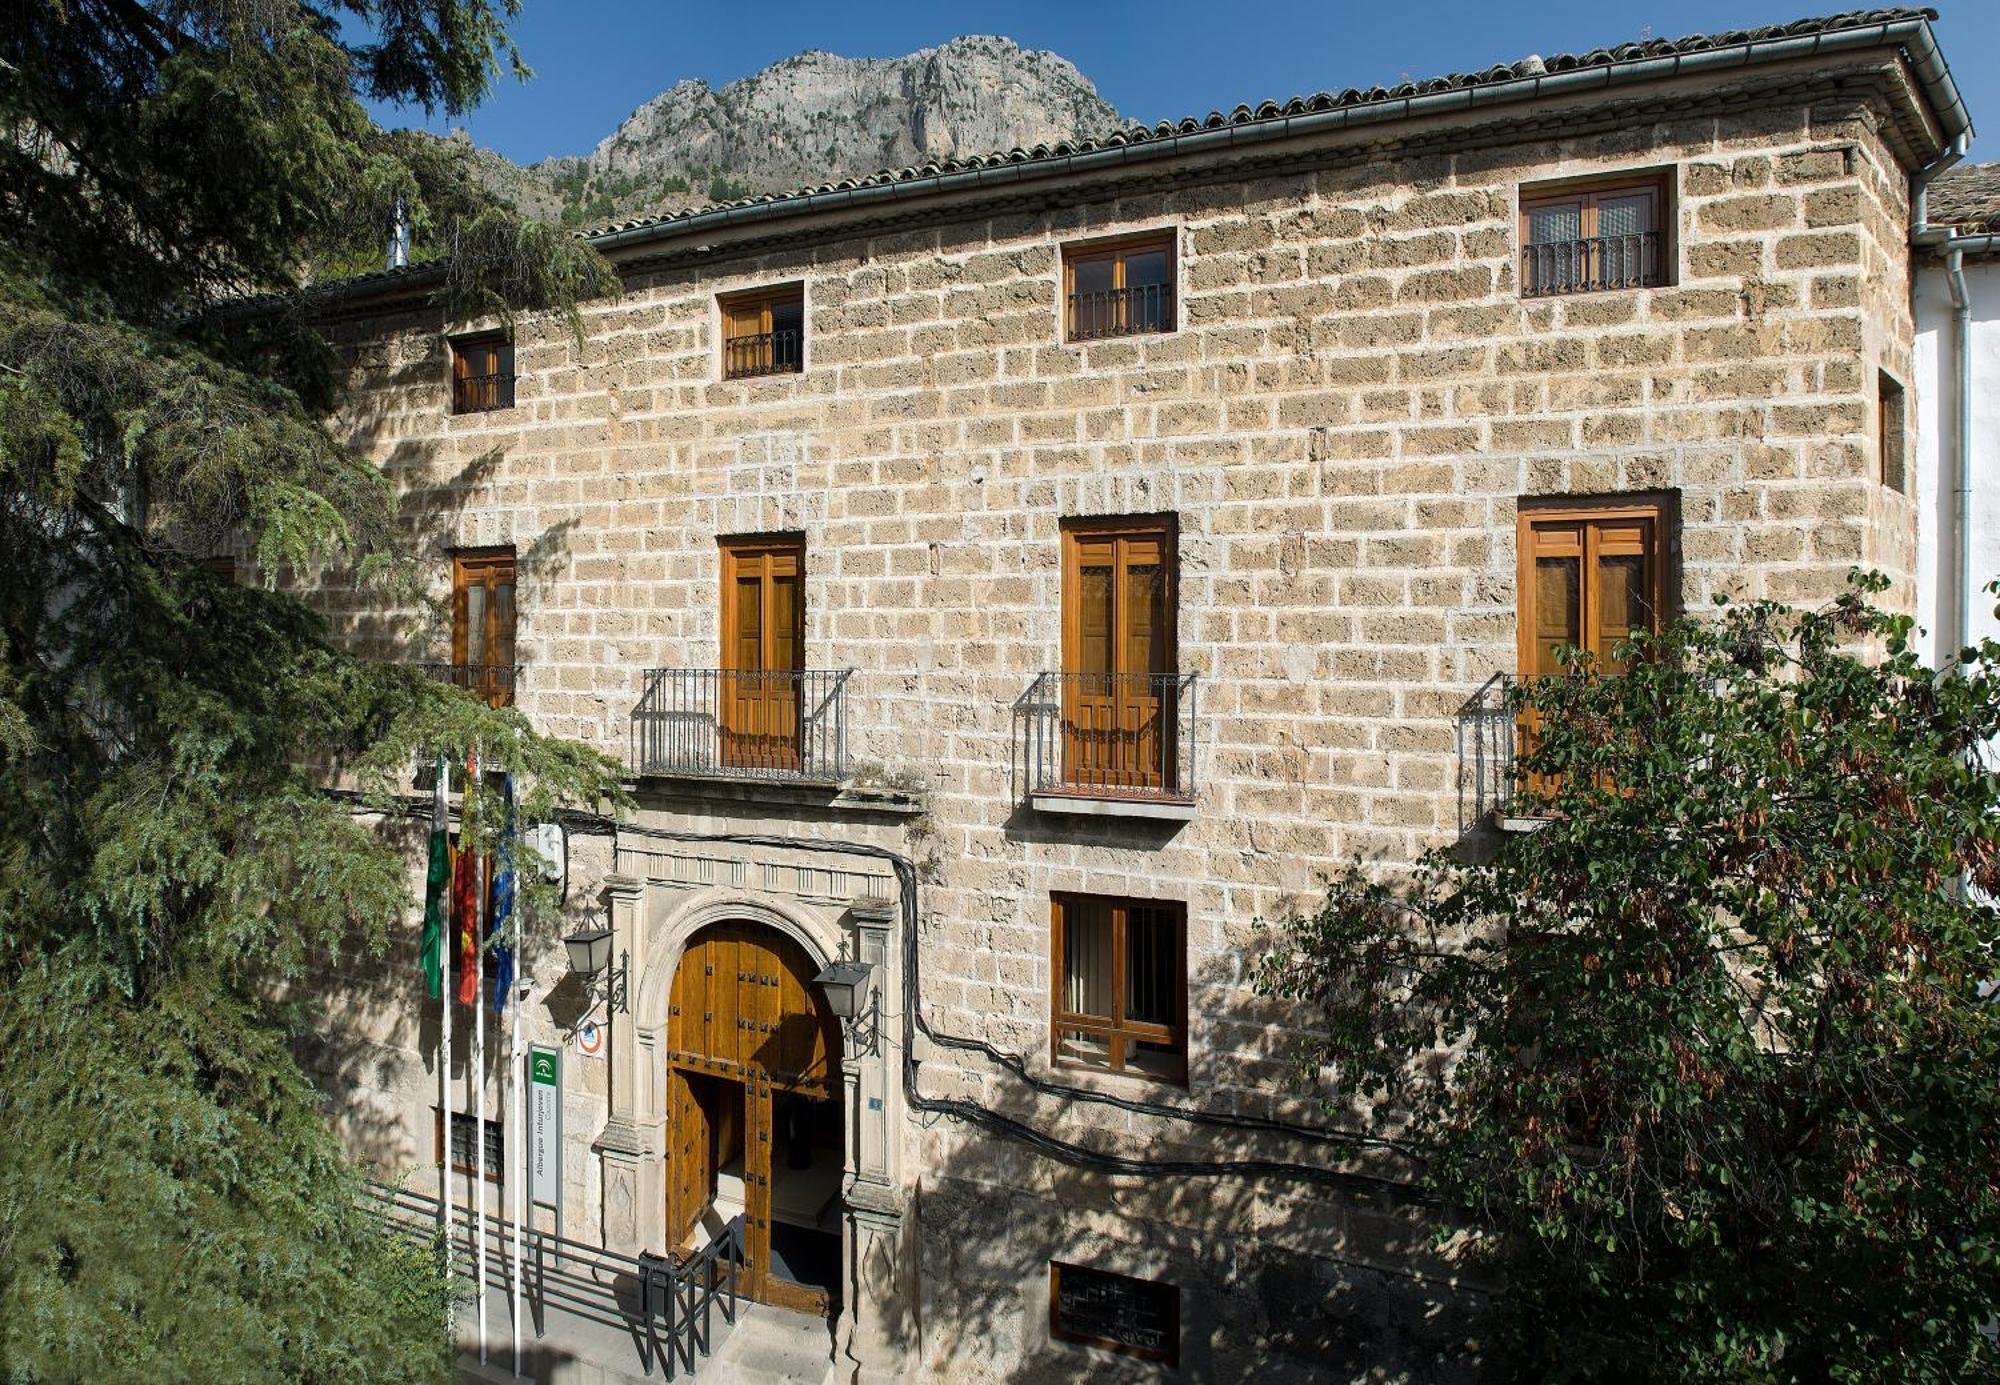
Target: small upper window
(1604,235)
(482,374)
(1119,289)
(1891,428)
(764,333)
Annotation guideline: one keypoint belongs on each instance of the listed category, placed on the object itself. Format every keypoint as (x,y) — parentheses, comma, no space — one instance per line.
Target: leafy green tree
(1703,1063)
(172,1206)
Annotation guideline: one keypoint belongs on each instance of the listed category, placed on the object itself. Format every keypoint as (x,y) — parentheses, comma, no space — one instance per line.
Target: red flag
(465,918)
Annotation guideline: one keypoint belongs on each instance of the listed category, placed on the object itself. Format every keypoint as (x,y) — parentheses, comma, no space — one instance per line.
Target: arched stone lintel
(812,930)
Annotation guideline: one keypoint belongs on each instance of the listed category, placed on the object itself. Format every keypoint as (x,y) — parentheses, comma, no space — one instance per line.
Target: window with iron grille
(1120,985)
(482,374)
(462,1125)
(1119,288)
(764,332)
(1118,1312)
(1597,236)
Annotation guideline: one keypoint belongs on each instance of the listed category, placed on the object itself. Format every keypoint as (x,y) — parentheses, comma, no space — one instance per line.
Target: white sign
(590,1039)
(545,1125)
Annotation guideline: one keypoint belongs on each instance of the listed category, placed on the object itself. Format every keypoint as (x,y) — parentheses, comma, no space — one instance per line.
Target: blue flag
(500,905)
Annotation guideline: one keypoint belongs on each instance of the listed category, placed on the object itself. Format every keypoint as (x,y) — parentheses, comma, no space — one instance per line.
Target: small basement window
(1596,236)
(482,374)
(1119,288)
(1097,1308)
(1891,429)
(462,1125)
(764,333)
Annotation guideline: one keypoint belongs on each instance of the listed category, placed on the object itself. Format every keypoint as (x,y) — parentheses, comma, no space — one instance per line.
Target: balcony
(1591,265)
(479,394)
(786,725)
(1116,744)
(1121,312)
(763,353)
(1491,741)
(493,682)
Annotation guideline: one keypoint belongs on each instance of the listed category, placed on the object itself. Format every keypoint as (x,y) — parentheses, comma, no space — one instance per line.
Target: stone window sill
(1080,805)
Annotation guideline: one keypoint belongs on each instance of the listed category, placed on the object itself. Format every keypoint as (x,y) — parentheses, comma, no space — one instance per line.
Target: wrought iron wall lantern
(590,957)
(849,990)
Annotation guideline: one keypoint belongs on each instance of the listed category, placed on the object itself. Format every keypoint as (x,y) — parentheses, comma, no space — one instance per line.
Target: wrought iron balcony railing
(494,682)
(1488,742)
(1121,312)
(1591,264)
(1111,735)
(728,723)
(478,394)
(763,353)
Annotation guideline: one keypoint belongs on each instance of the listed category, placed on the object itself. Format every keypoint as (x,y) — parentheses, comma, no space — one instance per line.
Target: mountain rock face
(812,119)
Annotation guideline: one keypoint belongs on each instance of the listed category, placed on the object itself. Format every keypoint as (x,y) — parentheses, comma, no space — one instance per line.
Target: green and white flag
(436,879)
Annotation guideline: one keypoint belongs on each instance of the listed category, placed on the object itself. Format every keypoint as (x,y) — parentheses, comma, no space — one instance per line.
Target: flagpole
(518,1175)
(444,1048)
(479,1070)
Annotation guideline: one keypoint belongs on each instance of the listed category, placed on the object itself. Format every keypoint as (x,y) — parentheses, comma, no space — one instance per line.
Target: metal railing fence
(477,394)
(666,1303)
(1111,735)
(763,353)
(494,682)
(788,724)
(1488,743)
(1121,312)
(1590,264)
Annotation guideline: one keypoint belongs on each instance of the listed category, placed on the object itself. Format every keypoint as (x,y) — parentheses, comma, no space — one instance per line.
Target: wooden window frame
(760,301)
(480,567)
(759,720)
(500,358)
(1660,510)
(494,1171)
(1118,249)
(1586,193)
(1892,433)
(1171,1297)
(1115,777)
(1118,1030)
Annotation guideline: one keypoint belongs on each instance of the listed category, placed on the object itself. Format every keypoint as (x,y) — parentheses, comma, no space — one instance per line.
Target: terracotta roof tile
(1967,197)
(1531,66)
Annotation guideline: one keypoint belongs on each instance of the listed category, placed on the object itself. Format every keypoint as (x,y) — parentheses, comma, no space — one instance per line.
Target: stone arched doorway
(753,1110)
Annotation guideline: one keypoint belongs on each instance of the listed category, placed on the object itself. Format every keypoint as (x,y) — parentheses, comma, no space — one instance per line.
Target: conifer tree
(172,1205)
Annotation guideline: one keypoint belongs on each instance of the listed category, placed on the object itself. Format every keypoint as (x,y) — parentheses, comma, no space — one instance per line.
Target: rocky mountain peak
(813,118)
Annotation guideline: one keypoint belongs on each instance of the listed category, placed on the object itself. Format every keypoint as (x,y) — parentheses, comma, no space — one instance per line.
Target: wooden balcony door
(763,651)
(1589,579)
(1118,704)
(482,623)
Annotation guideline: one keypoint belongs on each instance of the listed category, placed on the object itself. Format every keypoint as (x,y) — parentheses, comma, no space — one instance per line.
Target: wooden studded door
(743,1016)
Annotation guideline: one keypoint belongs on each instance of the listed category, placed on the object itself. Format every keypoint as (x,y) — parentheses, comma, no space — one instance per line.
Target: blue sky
(595,60)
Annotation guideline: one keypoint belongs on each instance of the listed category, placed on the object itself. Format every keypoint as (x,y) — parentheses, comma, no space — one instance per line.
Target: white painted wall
(1935,395)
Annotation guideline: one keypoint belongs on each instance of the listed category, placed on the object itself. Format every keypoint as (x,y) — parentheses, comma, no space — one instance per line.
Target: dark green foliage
(172,1206)
(1703,1062)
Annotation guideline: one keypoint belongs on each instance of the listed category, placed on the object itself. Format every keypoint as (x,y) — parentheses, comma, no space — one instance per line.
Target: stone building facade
(1354,415)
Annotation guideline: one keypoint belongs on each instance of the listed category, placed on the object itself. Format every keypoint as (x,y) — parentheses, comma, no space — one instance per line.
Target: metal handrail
(1122,312)
(1112,735)
(763,353)
(1590,264)
(478,394)
(684,1290)
(782,724)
